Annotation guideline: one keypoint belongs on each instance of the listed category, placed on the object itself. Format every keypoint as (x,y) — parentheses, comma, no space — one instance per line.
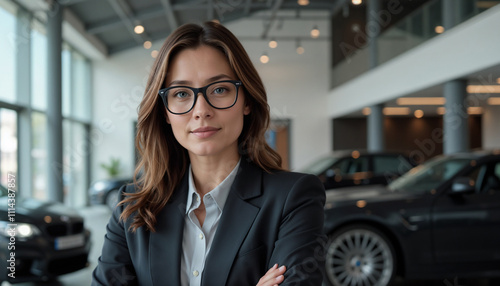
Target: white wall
(118,84)
(297,87)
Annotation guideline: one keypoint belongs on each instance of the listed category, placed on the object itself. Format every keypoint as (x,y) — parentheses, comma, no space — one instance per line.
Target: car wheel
(112,198)
(359,255)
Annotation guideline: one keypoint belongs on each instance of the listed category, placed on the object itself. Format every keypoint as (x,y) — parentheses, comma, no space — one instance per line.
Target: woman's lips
(205,132)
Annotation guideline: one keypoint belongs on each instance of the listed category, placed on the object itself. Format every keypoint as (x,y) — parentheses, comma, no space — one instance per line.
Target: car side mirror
(463,185)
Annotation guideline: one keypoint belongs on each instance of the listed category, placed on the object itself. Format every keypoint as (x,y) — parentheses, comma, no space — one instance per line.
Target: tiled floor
(96,218)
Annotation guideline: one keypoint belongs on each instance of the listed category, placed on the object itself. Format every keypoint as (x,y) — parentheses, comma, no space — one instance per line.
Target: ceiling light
(264,58)
(303,2)
(421,101)
(396,111)
(147,45)
(494,101)
(300,50)
(139,29)
(273,44)
(366,111)
(357,2)
(418,113)
(315,32)
(439,29)
(441,110)
(483,89)
(474,110)
(154,53)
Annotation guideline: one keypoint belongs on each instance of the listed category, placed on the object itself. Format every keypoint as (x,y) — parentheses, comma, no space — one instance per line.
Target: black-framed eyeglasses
(181,99)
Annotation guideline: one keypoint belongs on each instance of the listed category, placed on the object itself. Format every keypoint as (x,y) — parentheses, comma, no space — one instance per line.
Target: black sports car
(39,240)
(348,168)
(439,220)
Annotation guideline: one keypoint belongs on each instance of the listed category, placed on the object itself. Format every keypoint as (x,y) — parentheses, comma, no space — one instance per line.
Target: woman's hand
(273,277)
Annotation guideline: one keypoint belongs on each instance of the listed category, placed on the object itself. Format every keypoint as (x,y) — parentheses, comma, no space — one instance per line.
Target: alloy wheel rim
(359,258)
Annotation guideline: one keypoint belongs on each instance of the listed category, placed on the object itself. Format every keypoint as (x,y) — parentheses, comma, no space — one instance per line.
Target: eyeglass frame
(163,94)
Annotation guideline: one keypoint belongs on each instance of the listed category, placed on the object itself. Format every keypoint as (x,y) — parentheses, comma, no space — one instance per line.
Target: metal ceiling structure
(113,21)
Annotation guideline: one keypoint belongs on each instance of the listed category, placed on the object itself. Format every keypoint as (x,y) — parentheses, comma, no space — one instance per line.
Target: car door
(466,227)
(347,172)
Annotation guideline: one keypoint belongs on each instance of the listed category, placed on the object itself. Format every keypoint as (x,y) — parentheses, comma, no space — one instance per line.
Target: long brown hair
(163,161)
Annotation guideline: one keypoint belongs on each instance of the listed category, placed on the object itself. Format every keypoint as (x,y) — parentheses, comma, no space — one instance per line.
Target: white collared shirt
(196,240)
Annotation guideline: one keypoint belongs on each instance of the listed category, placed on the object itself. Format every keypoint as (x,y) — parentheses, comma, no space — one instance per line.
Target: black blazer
(267,219)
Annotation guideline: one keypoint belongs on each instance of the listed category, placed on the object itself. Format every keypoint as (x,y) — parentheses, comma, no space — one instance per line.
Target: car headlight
(100,185)
(21,230)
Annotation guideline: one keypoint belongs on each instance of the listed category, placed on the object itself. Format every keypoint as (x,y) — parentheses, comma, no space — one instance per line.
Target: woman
(213,205)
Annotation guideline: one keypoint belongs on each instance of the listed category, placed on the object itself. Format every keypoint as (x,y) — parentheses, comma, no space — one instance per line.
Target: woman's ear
(246,110)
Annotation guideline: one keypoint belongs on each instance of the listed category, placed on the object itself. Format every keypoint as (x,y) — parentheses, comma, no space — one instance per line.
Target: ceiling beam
(268,25)
(159,11)
(108,24)
(125,13)
(210,10)
(169,13)
(248,6)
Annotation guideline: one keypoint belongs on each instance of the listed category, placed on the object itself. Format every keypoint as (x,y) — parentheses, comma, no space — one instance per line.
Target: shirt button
(196,273)
(201,235)
(197,198)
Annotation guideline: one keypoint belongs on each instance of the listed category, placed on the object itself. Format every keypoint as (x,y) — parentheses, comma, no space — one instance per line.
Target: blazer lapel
(237,218)
(165,244)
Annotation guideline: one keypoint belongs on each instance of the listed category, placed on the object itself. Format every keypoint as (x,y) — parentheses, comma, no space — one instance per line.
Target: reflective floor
(96,218)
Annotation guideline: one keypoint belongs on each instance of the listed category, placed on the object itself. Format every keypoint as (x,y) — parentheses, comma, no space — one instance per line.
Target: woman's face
(205,131)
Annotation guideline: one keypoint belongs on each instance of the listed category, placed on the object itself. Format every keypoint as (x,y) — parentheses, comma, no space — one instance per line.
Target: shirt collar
(219,193)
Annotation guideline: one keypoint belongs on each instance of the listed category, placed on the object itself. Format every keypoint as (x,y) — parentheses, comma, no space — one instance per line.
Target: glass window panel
(7,55)
(38,68)
(8,144)
(39,155)
(81,87)
(77,176)
(66,81)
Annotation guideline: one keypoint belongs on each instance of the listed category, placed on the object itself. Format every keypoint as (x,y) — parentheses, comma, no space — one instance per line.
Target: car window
(357,165)
(490,179)
(390,164)
(318,166)
(341,166)
(430,175)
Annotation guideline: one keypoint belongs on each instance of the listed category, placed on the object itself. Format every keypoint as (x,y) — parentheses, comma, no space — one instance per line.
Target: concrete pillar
(375,124)
(455,120)
(375,128)
(54,103)
(23,91)
(373,29)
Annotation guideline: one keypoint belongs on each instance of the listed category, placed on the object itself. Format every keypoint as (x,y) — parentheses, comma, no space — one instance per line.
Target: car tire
(359,255)
(112,198)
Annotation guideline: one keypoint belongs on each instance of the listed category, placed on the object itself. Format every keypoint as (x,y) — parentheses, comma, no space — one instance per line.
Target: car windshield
(429,175)
(320,165)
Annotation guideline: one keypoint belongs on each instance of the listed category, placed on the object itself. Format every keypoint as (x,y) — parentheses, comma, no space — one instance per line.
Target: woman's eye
(219,90)
(181,94)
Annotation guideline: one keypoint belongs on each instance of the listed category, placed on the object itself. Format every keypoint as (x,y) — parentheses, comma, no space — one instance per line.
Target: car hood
(373,193)
(28,209)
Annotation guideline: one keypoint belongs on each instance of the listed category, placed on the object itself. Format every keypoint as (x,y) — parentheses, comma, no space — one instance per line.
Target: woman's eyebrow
(208,81)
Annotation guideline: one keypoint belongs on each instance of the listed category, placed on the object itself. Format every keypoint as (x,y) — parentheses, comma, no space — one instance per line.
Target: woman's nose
(201,108)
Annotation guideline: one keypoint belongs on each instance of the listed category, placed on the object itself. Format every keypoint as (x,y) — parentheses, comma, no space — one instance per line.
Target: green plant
(113,167)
